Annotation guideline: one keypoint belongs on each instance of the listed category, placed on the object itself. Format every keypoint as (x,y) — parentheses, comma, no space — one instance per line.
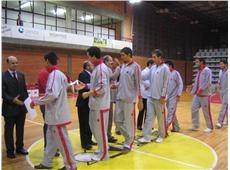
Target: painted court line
(27,156)
(167,159)
(213,151)
(145,153)
(37,123)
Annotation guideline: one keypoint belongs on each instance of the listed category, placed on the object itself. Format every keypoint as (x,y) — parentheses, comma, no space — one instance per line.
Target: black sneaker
(112,139)
(40,166)
(87,147)
(118,132)
(22,151)
(11,155)
(92,143)
(57,154)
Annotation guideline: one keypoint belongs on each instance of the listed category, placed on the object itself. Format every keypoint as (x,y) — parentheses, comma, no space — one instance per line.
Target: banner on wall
(100,42)
(61,37)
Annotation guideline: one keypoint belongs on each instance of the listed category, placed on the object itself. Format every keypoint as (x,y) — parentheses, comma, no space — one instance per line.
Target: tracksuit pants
(224,108)
(204,103)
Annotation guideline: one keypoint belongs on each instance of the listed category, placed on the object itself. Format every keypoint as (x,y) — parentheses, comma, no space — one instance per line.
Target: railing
(55,28)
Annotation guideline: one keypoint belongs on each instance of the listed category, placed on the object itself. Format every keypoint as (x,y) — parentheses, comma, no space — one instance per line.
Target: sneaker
(139,128)
(57,154)
(118,132)
(40,166)
(112,139)
(96,152)
(95,158)
(159,140)
(126,149)
(218,126)
(175,130)
(193,129)
(143,140)
(207,130)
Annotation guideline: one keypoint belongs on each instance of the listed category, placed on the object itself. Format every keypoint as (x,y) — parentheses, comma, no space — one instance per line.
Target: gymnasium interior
(183,30)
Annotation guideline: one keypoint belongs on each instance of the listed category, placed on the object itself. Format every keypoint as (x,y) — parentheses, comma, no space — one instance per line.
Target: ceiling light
(59,11)
(27,4)
(134,1)
(87,17)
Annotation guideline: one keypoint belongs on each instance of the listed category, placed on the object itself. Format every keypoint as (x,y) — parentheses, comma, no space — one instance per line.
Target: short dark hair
(94,51)
(158,52)
(51,57)
(85,64)
(201,60)
(224,61)
(150,62)
(170,63)
(127,51)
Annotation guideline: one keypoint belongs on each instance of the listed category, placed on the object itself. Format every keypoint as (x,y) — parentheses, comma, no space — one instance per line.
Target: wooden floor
(218,140)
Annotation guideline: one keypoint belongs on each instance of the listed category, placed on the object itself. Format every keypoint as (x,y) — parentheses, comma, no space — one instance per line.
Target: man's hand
(86,94)
(162,99)
(17,101)
(80,86)
(140,104)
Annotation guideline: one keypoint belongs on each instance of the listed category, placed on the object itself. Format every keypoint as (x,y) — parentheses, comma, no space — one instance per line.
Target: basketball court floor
(185,150)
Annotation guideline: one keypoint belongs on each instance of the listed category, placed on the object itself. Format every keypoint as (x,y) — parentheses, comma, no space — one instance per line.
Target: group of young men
(158,86)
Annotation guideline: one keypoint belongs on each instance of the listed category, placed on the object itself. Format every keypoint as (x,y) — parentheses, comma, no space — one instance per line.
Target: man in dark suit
(13,109)
(83,108)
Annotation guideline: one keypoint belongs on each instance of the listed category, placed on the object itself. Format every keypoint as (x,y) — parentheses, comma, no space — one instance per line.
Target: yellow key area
(178,151)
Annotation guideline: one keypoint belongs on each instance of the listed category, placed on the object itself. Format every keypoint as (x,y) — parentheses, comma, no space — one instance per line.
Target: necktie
(14,75)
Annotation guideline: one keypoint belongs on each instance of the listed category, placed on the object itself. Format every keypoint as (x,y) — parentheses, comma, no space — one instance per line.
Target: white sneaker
(159,140)
(218,126)
(143,140)
(96,152)
(207,130)
(95,158)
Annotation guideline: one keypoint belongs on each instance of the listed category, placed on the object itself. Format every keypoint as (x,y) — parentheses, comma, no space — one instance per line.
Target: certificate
(32,112)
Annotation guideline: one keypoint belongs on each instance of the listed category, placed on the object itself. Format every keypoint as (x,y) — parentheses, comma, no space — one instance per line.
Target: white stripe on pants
(125,120)
(98,122)
(204,103)
(224,108)
(57,138)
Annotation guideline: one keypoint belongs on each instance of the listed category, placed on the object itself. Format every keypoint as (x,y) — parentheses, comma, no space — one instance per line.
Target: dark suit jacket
(10,89)
(85,78)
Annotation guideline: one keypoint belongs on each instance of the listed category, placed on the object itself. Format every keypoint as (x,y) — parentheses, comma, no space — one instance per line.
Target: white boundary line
(27,156)
(213,151)
(37,123)
(167,159)
(145,153)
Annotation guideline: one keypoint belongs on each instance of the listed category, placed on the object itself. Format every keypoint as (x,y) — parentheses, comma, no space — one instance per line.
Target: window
(73,14)
(80,16)
(39,7)
(50,10)
(88,18)
(27,19)
(3,3)
(13,5)
(50,16)
(27,6)
(61,12)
